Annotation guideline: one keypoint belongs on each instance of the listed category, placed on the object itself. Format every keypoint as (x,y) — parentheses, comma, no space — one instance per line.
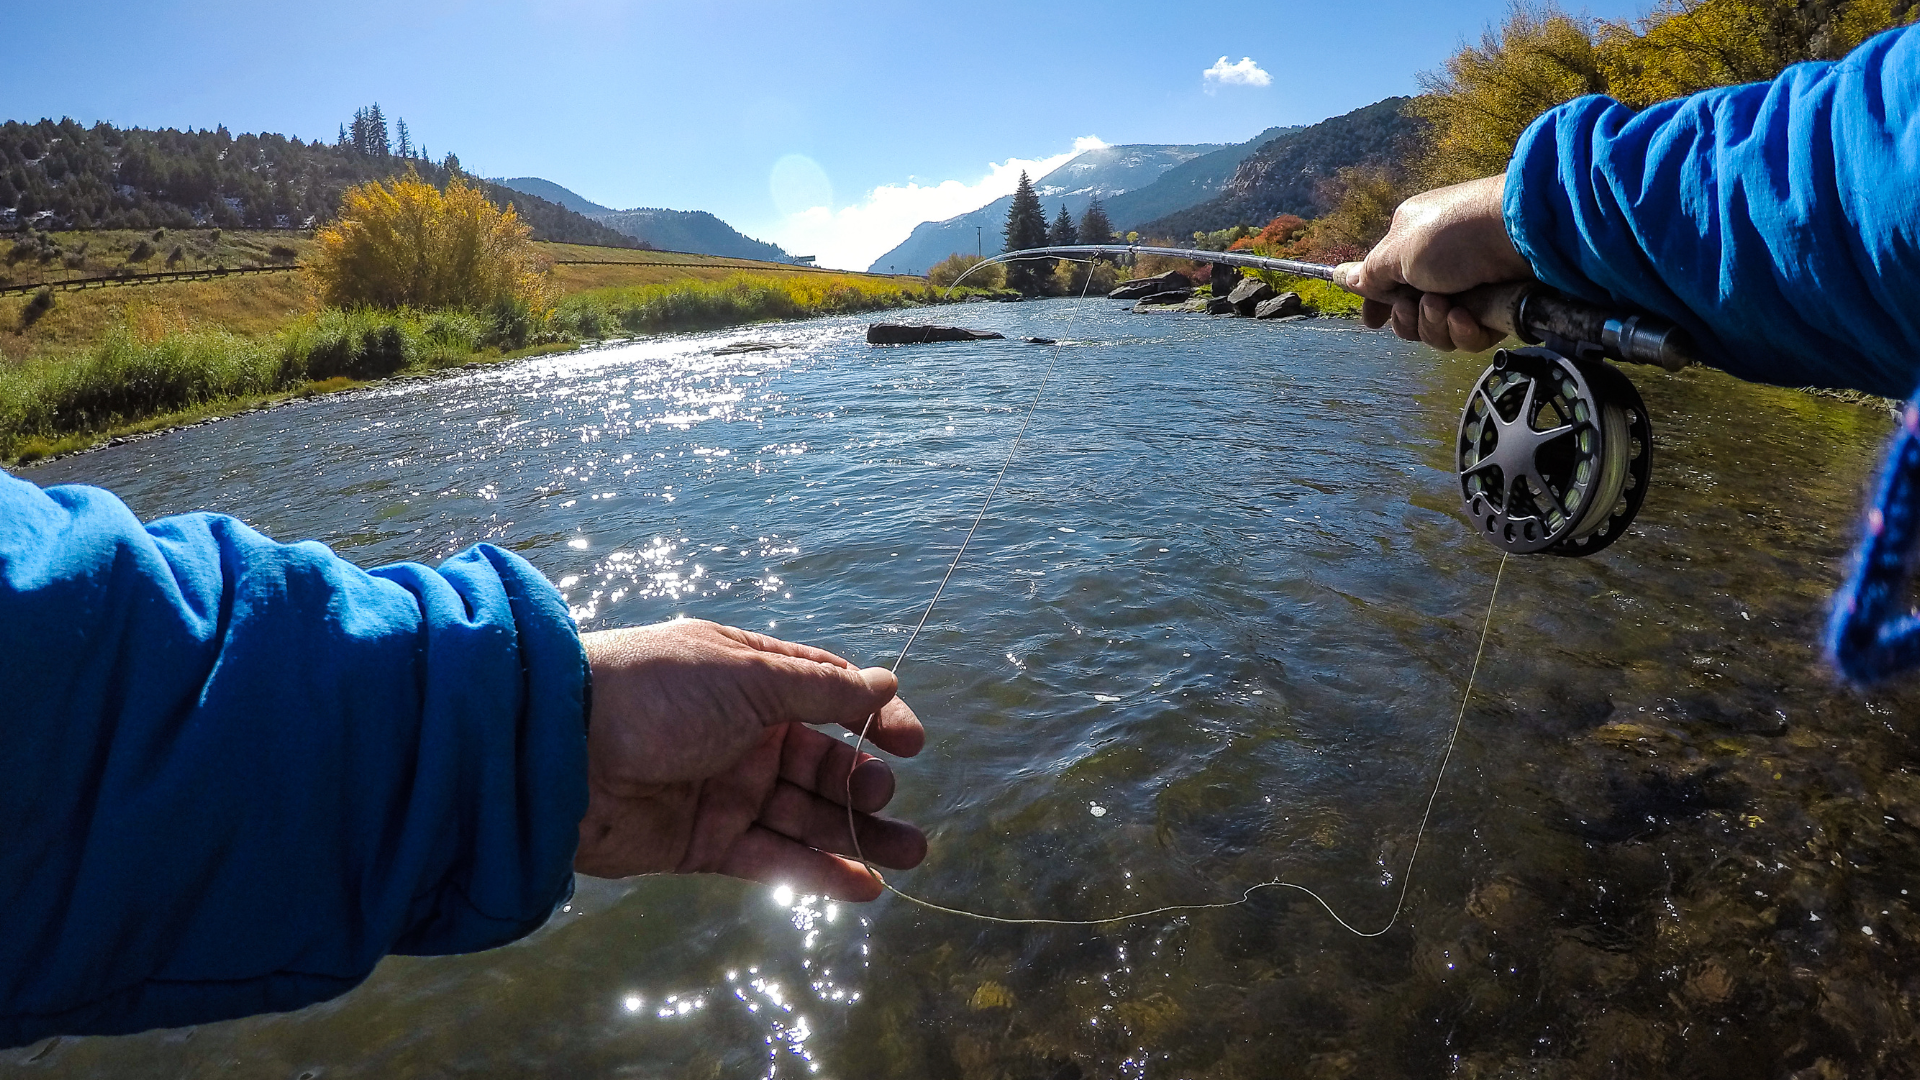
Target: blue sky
(813,125)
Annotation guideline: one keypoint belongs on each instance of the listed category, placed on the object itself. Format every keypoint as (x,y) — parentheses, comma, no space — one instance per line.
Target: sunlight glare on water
(1213,632)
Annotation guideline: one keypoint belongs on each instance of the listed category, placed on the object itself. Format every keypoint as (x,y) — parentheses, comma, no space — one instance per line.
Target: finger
(782,647)
(1375,279)
(1468,333)
(1433,321)
(894,729)
(791,689)
(819,763)
(1375,313)
(1406,318)
(1348,276)
(765,856)
(821,823)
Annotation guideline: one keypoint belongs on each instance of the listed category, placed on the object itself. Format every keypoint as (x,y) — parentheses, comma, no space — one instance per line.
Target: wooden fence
(109,281)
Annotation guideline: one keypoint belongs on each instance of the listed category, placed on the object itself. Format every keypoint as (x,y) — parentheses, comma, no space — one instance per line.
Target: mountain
(694,231)
(1289,174)
(553,193)
(1106,173)
(552,221)
(1186,184)
(66,176)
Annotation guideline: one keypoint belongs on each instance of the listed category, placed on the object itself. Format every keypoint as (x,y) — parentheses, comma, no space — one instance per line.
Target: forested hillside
(61,175)
(1292,174)
(690,230)
(554,193)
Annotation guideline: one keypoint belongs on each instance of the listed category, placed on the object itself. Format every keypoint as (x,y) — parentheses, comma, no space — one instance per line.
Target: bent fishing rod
(1554,449)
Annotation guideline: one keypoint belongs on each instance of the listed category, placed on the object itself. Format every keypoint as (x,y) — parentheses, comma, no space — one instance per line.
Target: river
(1214,631)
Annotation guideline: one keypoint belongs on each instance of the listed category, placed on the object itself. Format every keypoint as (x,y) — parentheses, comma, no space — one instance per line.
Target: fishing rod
(1554,450)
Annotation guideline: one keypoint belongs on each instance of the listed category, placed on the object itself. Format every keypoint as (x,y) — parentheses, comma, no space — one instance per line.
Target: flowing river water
(1214,631)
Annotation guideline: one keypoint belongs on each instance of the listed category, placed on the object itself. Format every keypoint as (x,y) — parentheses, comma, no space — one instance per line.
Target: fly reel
(1553,454)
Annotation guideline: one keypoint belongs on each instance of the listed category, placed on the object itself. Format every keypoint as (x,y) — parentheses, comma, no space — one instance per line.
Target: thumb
(1375,279)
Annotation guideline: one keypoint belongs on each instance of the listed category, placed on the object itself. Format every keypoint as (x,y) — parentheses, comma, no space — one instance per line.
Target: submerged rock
(739,347)
(1249,295)
(906,334)
(1284,306)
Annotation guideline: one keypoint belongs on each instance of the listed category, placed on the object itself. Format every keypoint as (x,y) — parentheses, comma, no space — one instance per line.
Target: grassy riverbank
(156,369)
(77,367)
(125,382)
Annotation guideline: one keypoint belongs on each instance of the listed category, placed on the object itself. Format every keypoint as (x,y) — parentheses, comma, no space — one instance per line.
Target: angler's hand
(1443,242)
(700,760)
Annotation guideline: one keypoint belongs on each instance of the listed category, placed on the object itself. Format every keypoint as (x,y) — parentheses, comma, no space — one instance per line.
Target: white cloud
(851,237)
(1244,73)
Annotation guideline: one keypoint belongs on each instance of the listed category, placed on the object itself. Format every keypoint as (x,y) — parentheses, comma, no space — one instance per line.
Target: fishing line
(1433,796)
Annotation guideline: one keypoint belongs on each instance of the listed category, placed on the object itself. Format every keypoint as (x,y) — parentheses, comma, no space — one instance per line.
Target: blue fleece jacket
(234,774)
(1779,221)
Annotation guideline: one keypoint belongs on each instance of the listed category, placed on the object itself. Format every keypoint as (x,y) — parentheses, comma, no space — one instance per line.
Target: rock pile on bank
(1249,298)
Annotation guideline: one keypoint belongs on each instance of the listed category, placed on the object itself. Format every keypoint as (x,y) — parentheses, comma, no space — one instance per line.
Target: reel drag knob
(1553,454)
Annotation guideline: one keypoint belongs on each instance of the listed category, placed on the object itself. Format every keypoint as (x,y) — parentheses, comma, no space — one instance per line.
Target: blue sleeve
(238,773)
(1779,222)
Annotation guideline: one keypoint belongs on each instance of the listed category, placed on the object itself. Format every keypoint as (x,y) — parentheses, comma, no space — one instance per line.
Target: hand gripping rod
(1528,310)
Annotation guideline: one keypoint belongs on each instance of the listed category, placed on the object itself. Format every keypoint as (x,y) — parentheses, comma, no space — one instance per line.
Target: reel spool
(1553,454)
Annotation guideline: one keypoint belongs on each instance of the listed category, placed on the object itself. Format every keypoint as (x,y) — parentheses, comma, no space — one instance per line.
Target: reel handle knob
(1533,313)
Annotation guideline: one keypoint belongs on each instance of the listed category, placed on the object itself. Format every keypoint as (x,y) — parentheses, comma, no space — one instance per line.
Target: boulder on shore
(1284,306)
(1225,278)
(1167,296)
(906,334)
(1219,305)
(1145,287)
(1250,294)
(1170,301)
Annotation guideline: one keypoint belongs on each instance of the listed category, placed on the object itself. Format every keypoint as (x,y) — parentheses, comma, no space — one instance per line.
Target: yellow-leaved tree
(1480,103)
(405,243)
(1364,199)
(948,270)
(1685,46)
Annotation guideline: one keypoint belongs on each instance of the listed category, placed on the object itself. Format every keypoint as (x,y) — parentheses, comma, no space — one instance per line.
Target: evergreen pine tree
(378,143)
(1026,228)
(403,144)
(1094,226)
(1062,233)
